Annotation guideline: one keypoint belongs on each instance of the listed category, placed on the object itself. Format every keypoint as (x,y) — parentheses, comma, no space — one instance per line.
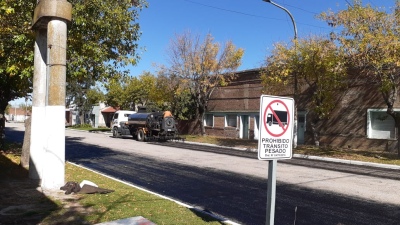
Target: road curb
(346,161)
(320,158)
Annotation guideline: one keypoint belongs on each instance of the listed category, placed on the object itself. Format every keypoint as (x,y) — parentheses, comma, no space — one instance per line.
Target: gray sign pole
(271,192)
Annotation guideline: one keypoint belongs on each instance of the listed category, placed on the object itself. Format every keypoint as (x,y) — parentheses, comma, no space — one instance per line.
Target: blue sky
(253,25)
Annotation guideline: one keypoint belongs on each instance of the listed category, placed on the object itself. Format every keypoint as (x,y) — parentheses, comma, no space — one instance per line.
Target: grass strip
(127,201)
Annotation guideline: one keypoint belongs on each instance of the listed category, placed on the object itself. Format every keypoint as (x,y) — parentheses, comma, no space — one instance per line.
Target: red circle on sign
(283,128)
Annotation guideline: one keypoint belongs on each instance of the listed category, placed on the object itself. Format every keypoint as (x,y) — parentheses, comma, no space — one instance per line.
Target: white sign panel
(276,127)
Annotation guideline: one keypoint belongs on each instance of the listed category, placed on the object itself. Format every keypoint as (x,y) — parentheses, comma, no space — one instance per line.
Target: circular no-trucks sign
(276,127)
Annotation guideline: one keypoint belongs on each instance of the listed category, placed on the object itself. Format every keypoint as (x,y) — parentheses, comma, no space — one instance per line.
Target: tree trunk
(314,120)
(396,116)
(397,126)
(81,117)
(398,142)
(315,134)
(2,126)
(202,127)
(26,145)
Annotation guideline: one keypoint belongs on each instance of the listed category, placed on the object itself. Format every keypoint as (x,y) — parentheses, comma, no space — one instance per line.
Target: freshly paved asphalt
(239,197)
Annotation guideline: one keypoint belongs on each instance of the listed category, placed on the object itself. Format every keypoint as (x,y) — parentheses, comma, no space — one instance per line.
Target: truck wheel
(115,132)
(169,122)
(140,135)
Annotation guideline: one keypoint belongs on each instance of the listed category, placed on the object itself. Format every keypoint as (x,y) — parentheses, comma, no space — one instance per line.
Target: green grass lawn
(127,201)
(88,127)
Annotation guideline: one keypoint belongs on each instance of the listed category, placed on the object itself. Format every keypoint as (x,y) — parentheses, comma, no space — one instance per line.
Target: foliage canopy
(102,40)
(200,66)
(316,63)
(370,37)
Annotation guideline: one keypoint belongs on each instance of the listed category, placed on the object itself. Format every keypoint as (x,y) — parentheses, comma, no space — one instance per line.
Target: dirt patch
(22,200)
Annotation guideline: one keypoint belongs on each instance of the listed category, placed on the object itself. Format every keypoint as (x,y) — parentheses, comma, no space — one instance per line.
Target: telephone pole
(47,150)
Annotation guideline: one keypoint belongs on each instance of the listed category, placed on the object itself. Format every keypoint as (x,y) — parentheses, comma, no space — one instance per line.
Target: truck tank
(144,119)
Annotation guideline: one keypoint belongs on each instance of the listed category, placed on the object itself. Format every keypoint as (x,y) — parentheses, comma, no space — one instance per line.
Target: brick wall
(346,126)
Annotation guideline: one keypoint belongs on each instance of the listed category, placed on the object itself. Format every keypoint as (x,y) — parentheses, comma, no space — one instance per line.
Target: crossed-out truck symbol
(282,116)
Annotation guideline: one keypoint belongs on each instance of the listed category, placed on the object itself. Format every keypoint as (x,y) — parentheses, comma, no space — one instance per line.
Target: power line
(315,13)
(252,15)
(349,3)
(232,11)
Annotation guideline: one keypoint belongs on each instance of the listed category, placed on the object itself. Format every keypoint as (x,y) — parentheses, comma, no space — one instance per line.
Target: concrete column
(54,154)
(38,105)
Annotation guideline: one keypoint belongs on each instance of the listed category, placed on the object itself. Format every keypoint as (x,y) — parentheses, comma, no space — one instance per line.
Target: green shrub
(84,125)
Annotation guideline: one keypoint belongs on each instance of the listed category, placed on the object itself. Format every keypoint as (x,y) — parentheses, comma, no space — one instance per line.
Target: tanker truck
(145,126)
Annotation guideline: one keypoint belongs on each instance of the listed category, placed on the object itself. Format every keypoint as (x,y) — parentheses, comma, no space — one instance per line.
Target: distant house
(17,114)
(98,116)
(107,113)
(359,119)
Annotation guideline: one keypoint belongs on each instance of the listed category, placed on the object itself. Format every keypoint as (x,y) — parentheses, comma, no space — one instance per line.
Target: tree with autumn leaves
(367,40)
(201,66)
(196,67)
(317,64)
(370,39)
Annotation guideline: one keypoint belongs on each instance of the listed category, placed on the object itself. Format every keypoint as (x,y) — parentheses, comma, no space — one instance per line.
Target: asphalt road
(233,184)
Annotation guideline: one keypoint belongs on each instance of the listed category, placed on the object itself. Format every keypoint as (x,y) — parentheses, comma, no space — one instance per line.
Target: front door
(256,127)
(301,123)
(245,127)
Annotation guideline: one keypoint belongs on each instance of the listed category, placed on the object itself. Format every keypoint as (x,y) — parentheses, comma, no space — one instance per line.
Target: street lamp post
(272,165)
(294,75)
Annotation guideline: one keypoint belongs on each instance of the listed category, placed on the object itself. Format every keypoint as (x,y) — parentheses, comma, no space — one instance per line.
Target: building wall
(243,94)
(346,127)
(241,98)
(17,114)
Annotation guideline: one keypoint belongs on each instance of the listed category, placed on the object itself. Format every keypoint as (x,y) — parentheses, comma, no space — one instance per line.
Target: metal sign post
(271,196)
(275,140)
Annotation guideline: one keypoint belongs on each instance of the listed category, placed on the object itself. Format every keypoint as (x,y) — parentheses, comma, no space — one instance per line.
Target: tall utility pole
(47,150)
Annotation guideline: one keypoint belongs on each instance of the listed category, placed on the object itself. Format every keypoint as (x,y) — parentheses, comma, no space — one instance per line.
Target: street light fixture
(287,11)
